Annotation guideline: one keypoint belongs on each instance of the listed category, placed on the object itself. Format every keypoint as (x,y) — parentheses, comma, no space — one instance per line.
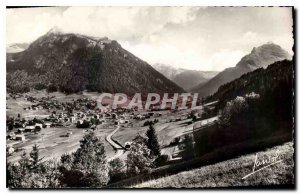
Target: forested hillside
(72,63)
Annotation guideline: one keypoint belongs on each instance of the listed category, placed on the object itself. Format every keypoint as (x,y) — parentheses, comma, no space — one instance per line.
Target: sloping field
(230,173)
(52,144)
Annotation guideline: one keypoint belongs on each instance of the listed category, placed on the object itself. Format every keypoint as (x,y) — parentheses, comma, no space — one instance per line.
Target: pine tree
(35,158)
(88,166)
(187,148)
(152,142)
(139,158)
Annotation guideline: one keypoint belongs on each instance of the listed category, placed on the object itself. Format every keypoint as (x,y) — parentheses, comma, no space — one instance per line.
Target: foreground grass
(230,173)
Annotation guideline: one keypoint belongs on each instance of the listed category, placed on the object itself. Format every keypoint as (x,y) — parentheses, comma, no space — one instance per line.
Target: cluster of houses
(84,107)
(79,111)
(75,112)
(63,118)
(24,126)
(50,103)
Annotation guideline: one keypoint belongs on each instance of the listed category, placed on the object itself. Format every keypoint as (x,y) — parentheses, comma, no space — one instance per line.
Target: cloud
(250,36)
(226,58)
(115,22)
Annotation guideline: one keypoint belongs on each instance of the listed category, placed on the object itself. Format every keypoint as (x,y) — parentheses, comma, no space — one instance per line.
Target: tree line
(86,167)
(256,106)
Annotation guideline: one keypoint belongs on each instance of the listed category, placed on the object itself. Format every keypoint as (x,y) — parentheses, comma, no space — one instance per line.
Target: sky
(199,38)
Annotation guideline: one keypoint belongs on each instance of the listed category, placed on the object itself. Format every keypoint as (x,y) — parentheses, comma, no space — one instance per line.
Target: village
(66,121)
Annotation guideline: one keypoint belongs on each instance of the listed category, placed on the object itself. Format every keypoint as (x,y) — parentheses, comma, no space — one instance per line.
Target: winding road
(116,146)
(120,150)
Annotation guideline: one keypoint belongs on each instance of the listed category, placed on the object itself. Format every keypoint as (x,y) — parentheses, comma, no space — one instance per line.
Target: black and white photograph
(150,97)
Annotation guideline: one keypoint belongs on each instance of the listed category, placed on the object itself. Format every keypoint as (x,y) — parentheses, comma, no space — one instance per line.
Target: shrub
(139,159)
(161,160)
(87,164)
(85,124)
(116,170)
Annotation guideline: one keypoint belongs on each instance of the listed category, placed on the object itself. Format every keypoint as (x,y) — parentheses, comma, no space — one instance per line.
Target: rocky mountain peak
(71,62)
(260,57)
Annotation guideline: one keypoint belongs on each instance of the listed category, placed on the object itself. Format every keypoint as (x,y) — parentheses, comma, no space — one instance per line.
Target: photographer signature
(265,162)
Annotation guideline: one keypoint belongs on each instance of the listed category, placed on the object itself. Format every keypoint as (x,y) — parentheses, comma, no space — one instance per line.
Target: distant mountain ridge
(276,78)
(261,56)
(185,78)
(73,62)
(17,47)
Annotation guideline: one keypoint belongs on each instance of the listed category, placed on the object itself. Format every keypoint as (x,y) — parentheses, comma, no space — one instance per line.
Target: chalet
(20,137)
(80,122)
(101,121)
(150,114)
(158,114)
(20,130)
(11,136)
(10,150)
(123,121)
(72,119)
(19,124)
(127,144)
(140,117)
(139,139)
(126,116)
(69,133)
(205,123)
(96,116)
(55,120)
(107,116)
(47,125)
(38,126)
(253,95)
(114,116)
(29,128)
(93,127)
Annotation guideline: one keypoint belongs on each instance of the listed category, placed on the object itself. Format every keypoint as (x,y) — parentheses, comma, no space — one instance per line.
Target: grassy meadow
(230,173)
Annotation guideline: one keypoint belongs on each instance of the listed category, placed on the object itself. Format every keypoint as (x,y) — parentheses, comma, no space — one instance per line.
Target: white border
(5,3)
(150,3)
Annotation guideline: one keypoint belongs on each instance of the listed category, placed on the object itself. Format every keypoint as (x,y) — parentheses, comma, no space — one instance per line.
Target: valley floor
(52,142)
(230,173)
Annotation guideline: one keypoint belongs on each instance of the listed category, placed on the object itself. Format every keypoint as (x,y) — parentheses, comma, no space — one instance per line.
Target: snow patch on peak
(55,30)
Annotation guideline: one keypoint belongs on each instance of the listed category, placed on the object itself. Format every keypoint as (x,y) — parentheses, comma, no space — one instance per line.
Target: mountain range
(261,56)
(72,62)
(185,78)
